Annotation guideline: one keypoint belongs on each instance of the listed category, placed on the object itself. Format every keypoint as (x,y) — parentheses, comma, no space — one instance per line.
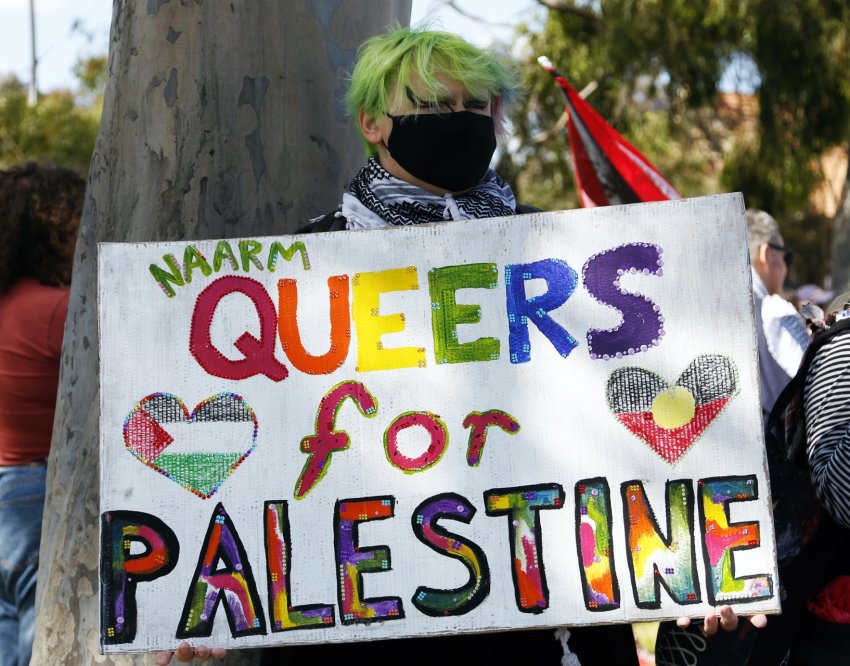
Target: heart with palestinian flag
(198,451)
(671,418)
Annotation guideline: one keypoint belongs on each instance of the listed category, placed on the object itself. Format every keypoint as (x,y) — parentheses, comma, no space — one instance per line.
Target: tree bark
(841,238)
(221,119)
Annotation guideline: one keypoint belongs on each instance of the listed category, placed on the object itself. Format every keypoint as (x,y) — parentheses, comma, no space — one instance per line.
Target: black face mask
(448,150)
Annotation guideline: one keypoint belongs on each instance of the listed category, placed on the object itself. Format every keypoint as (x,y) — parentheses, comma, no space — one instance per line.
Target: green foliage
(92,73)
(60,129)
(648,84)
(656,66)
(802,50)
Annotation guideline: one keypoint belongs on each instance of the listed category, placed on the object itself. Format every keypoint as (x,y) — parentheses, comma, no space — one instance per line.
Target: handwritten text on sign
(373,434)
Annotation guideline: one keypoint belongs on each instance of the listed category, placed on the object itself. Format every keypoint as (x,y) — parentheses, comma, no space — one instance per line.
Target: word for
(328,440)
(641,326)
(178,274)
(138,547)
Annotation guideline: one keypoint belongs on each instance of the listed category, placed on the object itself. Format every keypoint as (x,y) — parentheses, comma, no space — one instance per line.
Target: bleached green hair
(387,64)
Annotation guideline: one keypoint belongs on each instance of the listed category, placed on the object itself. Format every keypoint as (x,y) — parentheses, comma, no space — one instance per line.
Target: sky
(68,30)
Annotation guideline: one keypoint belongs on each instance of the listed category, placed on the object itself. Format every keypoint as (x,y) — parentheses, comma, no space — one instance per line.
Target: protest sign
(540,420)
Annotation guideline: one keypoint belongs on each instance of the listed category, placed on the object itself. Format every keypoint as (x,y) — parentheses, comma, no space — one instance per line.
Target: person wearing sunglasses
(781,332)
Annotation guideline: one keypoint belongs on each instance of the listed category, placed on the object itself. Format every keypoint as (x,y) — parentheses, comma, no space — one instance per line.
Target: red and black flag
(609,170)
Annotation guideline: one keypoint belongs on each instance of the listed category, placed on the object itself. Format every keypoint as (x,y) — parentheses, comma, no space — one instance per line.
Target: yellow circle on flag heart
(673,408)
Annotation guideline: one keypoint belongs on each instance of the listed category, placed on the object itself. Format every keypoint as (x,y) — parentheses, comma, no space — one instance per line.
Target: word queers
(357,299)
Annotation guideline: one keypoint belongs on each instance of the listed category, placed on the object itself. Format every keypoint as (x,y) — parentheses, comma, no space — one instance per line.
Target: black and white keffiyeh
(378,199)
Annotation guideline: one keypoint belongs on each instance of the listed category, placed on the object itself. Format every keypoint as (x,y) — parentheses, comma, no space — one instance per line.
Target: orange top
(32,321)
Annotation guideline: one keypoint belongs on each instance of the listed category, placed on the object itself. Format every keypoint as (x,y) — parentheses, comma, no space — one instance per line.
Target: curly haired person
(41,208)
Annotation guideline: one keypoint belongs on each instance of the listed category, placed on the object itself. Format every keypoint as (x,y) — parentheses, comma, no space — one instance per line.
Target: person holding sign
(429,107)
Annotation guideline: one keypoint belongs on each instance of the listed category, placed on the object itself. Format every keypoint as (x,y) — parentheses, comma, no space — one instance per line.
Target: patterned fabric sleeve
(827,405)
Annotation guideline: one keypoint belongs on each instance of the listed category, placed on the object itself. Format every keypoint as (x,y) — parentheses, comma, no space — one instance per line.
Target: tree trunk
(221,119)
(841,238)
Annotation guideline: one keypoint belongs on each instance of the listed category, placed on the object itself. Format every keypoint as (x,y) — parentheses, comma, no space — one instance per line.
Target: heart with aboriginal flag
(671,418)
(199,451)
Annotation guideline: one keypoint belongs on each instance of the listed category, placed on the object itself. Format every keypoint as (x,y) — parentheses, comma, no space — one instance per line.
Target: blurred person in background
(812,300)
(781,332)
(41,209)
(814,294)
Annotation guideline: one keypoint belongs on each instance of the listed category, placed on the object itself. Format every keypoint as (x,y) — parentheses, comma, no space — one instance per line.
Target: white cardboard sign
(541,420)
